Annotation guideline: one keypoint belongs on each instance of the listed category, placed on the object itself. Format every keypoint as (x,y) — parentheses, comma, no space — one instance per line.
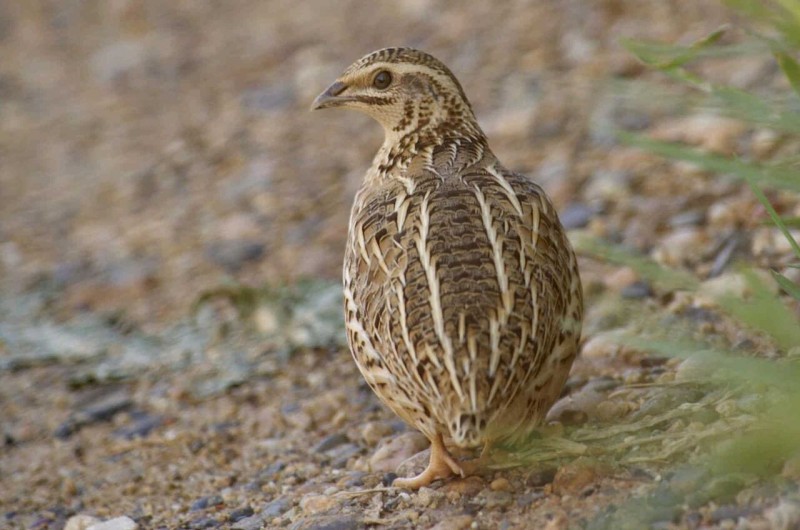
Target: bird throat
(435,147)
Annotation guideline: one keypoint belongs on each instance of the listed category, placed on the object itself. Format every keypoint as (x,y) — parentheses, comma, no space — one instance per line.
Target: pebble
(232,254)
(254,522)
(784,516)
(275,507)
(500,484)
(683,245)
(394,451)
(696,367)
(80,522)
(426,497)
(314,504)
(336,522)
(459,522)
(493,500)
(575,476)
(637,290)
(541,477)
(118,523)
(601,346)
(620,278)
(462,487)
(577,407)
(103,409)
(373,431)
(205,502)
(576,215)
(240,513)
(329,442)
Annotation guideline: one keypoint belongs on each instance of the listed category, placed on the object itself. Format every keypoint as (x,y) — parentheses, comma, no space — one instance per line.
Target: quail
(462,296)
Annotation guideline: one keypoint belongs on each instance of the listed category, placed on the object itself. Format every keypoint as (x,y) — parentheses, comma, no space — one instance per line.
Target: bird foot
(441,465)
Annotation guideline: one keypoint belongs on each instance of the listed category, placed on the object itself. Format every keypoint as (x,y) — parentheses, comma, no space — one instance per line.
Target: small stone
(696,367)
(574,477)
(394,451)
(275,507)
(493,500)
(601,346)
(202,522)
(240,513)
(314,504)
(329,442)
(637,290)
(575,215)
(620,278)
(426,498)
(205,502)
(500,484)
(81,522)
(577,408)
(682,246)
(541,477)
(463,487)
(232,254)
(611,410)
(373,431)
(254,522)
(459,522)
(784,516)
(336,522)
(118,523)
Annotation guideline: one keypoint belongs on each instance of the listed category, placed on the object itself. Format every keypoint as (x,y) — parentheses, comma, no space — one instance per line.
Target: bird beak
(331,97)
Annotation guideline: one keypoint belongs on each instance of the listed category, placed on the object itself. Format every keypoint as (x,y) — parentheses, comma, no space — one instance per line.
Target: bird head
(403,89)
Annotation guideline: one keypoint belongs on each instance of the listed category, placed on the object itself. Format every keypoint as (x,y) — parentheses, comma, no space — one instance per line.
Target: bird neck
(419,147)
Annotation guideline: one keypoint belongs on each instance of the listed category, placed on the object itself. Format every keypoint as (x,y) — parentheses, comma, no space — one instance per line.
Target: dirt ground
(155,157)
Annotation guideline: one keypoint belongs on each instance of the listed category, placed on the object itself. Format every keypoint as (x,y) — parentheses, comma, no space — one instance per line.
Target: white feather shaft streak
(434,298)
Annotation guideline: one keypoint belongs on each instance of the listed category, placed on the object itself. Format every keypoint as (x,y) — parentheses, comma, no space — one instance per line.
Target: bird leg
(476,466)
(441,465)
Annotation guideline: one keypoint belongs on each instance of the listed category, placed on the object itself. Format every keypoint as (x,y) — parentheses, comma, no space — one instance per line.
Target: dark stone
(636,291)
(203,522)
(240,513)
(529,498)
(576,215)
(731,511)
(234,253)
(541,477)
(275,507)
(342,454)
(142,425)
(103,409)
(272,470)
(329,442)
(388,478)
(332,522)
(205,502)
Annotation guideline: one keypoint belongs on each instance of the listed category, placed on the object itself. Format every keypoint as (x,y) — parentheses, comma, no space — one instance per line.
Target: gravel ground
(158,167)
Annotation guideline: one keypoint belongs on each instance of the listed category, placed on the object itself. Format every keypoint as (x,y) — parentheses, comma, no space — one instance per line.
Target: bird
(462,295)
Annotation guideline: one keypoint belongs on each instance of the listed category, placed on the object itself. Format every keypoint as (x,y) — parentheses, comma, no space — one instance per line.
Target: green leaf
(791,69)
(764,311)
(787,285)
(773,177)
(660,277)
(776,219)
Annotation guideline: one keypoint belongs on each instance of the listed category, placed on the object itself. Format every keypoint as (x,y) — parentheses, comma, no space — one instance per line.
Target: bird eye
(382,80)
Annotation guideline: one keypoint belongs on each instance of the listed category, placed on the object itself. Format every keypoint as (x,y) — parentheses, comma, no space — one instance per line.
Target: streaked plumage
(463,301)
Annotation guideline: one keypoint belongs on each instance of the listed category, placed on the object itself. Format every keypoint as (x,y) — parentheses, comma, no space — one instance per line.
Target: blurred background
(149,150)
